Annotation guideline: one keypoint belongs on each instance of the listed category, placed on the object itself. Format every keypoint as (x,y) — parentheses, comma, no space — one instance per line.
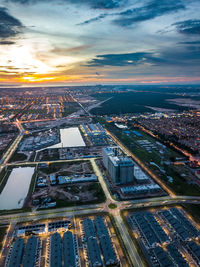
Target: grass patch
(112,206)
(2,234)
(5,173)
(193,210)
(21,211)
(18,157)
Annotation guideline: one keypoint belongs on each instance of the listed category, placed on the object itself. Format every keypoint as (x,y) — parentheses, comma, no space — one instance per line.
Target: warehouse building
(16,253)
(58,225)
(55,251)
(108,252)
(141,189)
(88,228)
(30,254)
(98,235)
(140,176)
(100,226)
(69,249)
(94,252)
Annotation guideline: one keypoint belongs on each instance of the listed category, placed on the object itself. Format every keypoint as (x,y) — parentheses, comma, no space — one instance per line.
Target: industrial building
(94,252)
(16,253)
(92,129)
(99,243)
(35,143)
(31,254)
(56,247)
(52,178)
(106,152)
(63,251)
(69,249)
(140,176)
(77,179)
(88,227)
(141,189)
(181,225)
(26,229)
(95,133)
(58,225)
(166,237)
(100,227)
(119,168)
(55,251)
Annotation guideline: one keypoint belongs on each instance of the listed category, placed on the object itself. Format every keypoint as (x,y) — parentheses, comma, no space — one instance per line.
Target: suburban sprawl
(86,181)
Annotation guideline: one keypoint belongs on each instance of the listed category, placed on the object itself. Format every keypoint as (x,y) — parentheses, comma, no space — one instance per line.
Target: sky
(99,41)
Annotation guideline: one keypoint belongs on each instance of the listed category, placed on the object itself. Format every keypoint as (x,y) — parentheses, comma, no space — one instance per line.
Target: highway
(49,162)
(163,201)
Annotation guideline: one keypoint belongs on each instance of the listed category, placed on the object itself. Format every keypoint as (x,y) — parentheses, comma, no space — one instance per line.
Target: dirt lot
(67,193)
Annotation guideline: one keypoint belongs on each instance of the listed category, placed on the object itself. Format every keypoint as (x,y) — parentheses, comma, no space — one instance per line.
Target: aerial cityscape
(99,133)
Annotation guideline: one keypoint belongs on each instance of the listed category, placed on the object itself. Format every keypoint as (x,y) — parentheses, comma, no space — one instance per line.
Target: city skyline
(88,42)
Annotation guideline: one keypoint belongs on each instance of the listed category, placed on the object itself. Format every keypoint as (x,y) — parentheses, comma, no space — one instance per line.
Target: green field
(134,102)
(2,234)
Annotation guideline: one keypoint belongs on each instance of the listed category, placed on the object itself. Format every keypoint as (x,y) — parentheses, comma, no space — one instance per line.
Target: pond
(16,188)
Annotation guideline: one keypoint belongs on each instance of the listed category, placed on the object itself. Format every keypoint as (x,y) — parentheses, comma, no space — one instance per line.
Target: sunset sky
(102,41)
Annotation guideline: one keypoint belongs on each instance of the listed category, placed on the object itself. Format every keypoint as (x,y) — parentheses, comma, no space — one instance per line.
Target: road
(128,242)
(50,161)
(25,216)
(7,155)
(101,180)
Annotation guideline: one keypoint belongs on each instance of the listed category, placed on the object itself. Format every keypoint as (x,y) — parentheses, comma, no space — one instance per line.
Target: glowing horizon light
(23,58)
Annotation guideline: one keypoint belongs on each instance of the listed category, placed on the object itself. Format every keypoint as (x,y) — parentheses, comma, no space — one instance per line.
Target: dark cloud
(124,59)
(190,43)
(9,26)
(96,4)
(151,10)
(7,42)
(102,16)
(188,26)
(99,4)
(178,56)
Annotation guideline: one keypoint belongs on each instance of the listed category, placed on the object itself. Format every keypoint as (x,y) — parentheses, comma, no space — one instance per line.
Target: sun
(23,58)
